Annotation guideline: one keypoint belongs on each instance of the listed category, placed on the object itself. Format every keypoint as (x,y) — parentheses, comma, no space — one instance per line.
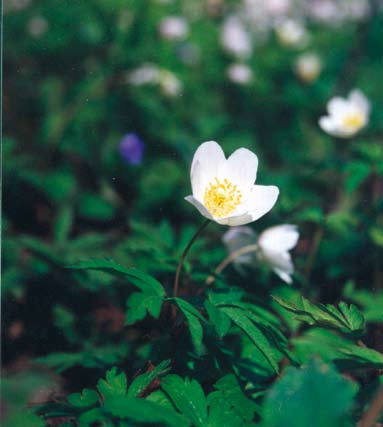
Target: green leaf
(228,405)
(313,396)
(193,318)
(143,281)
(140,303)
(143,411)
(347,319)
(218,319)
(240,318)
(188,397)
(93,207)
(114,385)
(84,399)
(140,383)
(357,172)
(332,347)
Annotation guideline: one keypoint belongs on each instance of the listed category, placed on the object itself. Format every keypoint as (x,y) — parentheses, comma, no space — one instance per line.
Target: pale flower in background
(291,33)
(277,7)
(239,73)
(169,83)
(308,66)
(235,38)
(223,189)
(174,28)
(145,74)
(37,26)
(273,248)
(346,116)
(237,238)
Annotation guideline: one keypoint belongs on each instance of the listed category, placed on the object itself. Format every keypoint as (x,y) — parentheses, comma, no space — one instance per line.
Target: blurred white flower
(169,83)
(239,73)
(277,8)
(237,238)
(336,12)
(308,67)
(346,116)
(235,38)
(223,189)
(145,74)
(291,33)
(37,26)
(174,28)
(15,5)
(273,248)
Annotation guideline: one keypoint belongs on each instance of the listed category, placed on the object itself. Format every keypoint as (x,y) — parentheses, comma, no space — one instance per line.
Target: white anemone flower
(308,67)
(237,238)
(239,73)
(273,248)
(223,189)
(346,116)
(235,38)
(292,33)
(174,28)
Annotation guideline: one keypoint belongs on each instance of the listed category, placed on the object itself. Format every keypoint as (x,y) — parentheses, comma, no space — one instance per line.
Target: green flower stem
(230,258)
(183,256)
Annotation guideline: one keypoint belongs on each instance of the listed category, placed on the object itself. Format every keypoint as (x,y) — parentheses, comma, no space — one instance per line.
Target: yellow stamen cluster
(221,197)
(353,120)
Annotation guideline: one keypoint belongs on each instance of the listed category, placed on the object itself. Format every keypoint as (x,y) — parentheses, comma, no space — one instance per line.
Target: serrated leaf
(139,304)
(84,399)
(346,319)
(143,281)
(301,398)
(143,411)
(113,385)
(188,397)
(240,318)
(228,405)
(140,383)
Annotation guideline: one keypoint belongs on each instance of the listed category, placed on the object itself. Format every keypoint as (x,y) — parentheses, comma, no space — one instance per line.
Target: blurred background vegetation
(82,77)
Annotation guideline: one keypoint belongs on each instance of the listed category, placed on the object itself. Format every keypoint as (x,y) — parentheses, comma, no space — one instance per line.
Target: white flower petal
(284,276)
(241,168)
(280,238)
(236,220)
(202,210)
(332,127)
(207,163)
(261,199)
(337,105)
(238,237)
(360,101)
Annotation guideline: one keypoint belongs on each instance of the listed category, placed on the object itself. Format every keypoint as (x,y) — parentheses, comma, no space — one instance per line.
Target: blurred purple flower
(132,149)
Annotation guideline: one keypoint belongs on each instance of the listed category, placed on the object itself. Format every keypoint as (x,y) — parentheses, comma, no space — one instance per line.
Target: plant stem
(183,256)
(374,411)
(230,258)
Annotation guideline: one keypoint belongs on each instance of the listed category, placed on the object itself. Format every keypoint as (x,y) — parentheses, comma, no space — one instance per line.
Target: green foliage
(92,332)
(347,319)
(113,385)
(194,319)
(302,398)
(188,397)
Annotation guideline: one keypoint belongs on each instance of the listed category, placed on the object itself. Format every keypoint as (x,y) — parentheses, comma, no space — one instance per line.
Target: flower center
(353,120)
(221,197)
